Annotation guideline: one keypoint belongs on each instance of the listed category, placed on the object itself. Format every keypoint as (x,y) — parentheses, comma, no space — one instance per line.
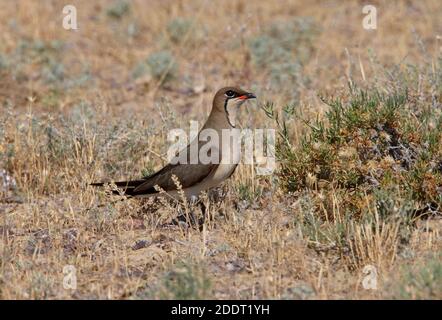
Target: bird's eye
(230,93)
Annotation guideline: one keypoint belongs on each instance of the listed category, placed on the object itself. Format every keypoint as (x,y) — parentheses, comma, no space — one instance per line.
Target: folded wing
(188,174)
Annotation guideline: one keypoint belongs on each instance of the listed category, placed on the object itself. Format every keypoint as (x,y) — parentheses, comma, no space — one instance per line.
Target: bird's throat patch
(230,113)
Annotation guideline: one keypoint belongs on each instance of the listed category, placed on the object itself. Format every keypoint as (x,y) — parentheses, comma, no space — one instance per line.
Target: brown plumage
(194,176)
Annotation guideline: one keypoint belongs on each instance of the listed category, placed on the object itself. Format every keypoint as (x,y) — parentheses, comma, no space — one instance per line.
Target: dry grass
(97,103)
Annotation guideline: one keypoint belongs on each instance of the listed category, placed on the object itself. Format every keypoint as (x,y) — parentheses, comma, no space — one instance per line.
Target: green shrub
(4,64)
(423,283)
(371,153)
(282,50)
(178,28)
(118,9)
(185,282)
(160,65)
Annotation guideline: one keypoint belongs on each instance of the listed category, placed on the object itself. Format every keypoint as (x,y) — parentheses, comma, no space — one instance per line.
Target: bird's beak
(247,96)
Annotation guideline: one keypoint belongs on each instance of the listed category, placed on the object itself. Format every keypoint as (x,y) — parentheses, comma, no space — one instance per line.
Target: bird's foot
(188,220)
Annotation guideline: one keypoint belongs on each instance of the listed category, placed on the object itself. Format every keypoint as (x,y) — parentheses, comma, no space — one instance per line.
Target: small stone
(140,244)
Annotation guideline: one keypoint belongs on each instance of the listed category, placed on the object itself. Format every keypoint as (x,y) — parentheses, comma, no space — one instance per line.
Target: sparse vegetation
(118,9)
(283,49)
(159,65)
(424,282)
(178,28)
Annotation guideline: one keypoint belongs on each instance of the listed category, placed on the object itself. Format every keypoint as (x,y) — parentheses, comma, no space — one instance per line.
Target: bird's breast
(223,171)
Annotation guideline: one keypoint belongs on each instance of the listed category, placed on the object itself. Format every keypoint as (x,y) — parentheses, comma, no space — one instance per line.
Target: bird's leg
(203,212)
(192,216)
(198,221)
(183,217)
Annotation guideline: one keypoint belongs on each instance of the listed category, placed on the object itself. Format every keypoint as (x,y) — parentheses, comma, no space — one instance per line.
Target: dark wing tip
(124,187)
(97,184)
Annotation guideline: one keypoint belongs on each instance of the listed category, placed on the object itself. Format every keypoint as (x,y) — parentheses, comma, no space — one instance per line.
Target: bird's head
(229,99)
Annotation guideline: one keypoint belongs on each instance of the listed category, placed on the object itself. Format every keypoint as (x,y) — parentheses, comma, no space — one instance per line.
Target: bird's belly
(223,172)
(228,163)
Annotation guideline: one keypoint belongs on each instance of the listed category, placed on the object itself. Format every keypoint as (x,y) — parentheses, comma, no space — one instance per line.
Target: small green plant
(37,50)
(178,28)
(160,65)
(146,172)
(47,56)
(118,9)
(423,283)
(139,70)
(246,192)
(185,282)
(282,41)
(283,49)
(4,64)
(53,72)
(51,99)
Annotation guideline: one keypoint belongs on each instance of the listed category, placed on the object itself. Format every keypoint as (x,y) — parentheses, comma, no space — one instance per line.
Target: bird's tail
(124,187)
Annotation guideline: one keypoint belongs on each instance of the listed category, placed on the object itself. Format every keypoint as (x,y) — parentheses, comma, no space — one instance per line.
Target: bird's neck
(221,120)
